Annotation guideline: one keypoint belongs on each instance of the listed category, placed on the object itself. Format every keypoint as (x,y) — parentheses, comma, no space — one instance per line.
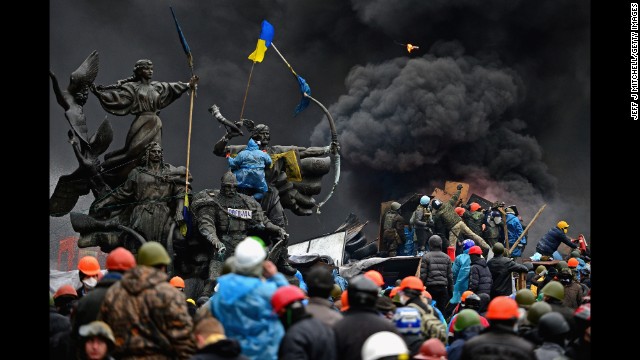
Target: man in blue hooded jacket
(242,302)
(514,230)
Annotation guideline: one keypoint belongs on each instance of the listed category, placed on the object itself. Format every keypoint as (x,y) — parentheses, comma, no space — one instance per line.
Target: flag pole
(192,85)
(246,92)
(283,59)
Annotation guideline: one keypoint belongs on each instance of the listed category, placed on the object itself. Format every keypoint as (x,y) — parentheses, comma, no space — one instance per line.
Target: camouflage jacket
(447,214)
(148,316)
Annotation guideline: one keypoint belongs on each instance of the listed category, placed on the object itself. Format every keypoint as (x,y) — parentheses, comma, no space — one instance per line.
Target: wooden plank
(451,188)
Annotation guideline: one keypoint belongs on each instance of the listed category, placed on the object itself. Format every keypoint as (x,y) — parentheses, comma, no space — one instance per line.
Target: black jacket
(480,280)
(225,349)
(501,268)
(497,343)
(308,339)
(435,268)
(88,307)
(354,329)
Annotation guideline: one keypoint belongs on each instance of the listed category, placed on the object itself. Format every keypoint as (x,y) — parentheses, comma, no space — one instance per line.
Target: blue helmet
(407,320)
(424,200)
(468,243)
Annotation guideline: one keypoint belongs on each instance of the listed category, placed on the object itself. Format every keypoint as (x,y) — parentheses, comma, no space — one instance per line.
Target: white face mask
(90,283)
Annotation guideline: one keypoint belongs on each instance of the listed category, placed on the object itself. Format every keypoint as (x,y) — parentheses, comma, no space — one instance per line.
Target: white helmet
(249,253)
(382,344)
(424,200)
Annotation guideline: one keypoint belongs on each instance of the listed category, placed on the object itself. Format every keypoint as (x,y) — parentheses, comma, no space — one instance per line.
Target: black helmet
(436,204)
(552,324)
(363,292)
(472,302)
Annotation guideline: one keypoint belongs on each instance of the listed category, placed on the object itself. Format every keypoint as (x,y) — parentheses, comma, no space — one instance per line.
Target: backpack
(431,326)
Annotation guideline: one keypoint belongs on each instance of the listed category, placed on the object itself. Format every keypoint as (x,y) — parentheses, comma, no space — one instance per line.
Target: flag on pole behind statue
(264,41)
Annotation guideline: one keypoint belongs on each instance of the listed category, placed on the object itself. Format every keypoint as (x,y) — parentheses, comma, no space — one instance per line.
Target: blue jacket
(248,167)
(243,306)
(551,241)
(514,229)
(461,267)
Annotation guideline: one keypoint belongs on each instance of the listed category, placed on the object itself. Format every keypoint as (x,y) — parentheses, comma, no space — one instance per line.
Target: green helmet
(395,205)
(554,289)
(466,318)
(525,297)
(561,265)
(152,253)
(498,249)
(536,311)
(575,254)
(540,269)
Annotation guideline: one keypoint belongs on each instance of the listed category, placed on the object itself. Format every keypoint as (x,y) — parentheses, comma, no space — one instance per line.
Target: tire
(365,251)
(356,243)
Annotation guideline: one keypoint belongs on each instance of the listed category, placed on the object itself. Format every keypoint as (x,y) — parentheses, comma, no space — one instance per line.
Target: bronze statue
(150,201)
(294,176)
(144,98)
(88,175)
(224,218)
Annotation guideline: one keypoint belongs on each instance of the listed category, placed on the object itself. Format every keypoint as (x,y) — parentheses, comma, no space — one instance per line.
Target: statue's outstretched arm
(59,95)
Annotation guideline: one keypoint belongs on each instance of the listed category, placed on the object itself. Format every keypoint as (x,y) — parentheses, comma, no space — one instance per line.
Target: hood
(252,145)
(142,277)
(477,260)
(435,242)
(233,287)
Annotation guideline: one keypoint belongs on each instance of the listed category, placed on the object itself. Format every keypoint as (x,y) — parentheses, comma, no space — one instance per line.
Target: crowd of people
(463,309)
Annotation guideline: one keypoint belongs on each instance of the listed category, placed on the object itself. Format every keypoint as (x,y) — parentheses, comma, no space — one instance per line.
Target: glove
(459,187)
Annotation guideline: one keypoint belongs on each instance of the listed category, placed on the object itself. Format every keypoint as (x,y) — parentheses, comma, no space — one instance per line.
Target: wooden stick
(527,228)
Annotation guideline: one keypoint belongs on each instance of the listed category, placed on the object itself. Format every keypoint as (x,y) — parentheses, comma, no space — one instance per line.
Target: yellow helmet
(562,225)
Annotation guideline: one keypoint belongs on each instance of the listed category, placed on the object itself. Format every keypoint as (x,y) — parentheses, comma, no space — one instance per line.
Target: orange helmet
(459,211)
(412,282)
(502,308)
(120,259)
(394,291)
(573,262)
(177,282)
(65,290)
(89,265)
(375,276)
(344,299)
(426,294)
(474,206)
(465,294)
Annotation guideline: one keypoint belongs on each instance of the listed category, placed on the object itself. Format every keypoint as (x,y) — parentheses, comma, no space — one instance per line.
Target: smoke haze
(497,95)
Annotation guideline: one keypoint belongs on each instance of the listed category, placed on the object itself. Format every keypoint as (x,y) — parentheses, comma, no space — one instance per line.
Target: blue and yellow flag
(266,36)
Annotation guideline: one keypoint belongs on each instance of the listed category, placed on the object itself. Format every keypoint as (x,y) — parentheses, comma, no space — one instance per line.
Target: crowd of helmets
(320,319)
